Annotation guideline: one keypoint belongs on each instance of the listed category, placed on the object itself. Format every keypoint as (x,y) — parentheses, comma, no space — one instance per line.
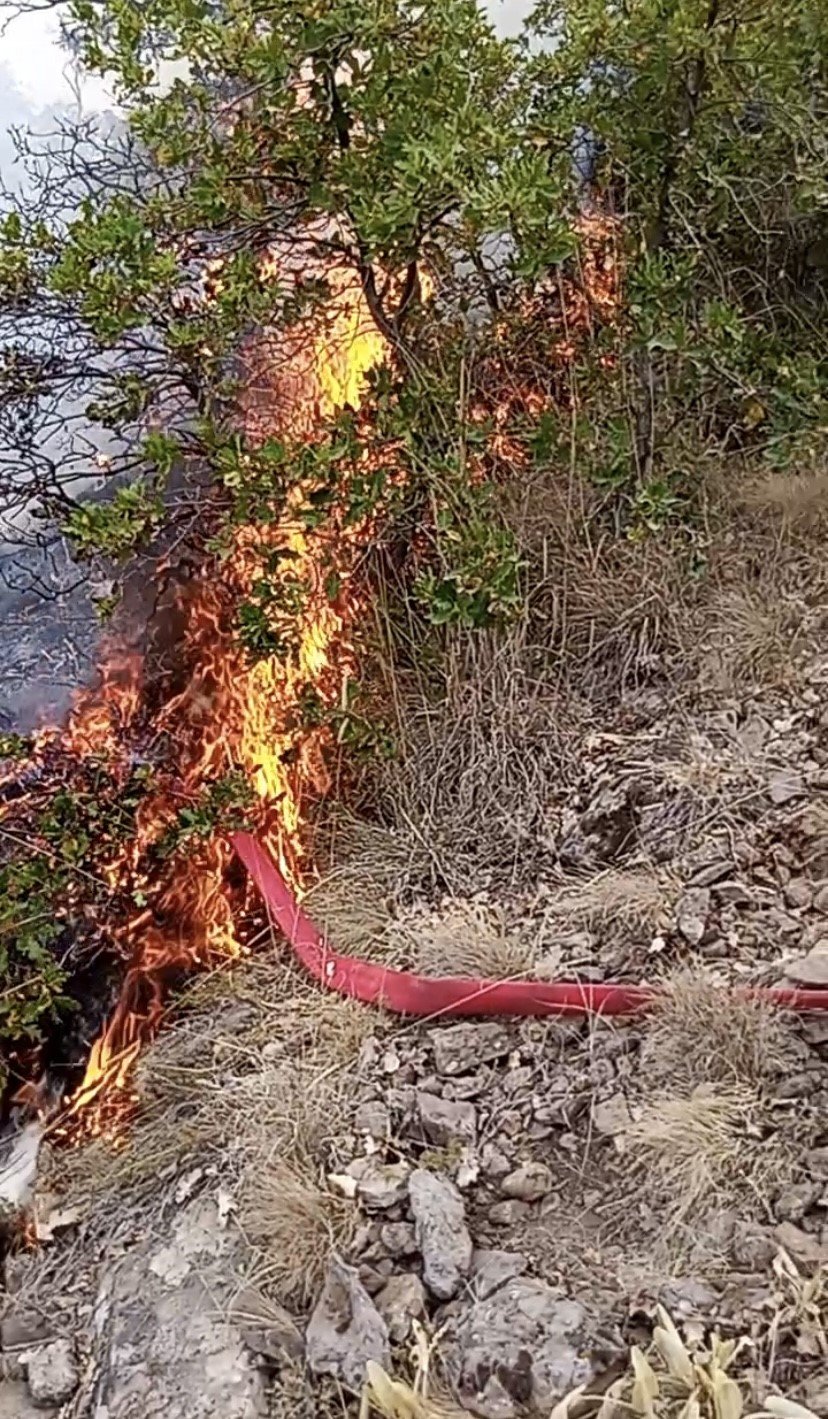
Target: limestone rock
(379,1185)
(692,911)
(492,1268)
(530,1182)
(811,969)
(509,1213)
(444,1121)
(346,1329)
(398,1238)
(442,1235)
(51,1373)
(459,1049)
(517,1349)
(784,786)
(401,1300)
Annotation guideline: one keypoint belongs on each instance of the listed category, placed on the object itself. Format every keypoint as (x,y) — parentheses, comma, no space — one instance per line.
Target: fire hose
(406,993)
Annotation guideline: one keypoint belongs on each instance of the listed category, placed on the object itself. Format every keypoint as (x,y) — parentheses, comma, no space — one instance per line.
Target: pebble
(459,1049)
(445,1122)
(401,1300)
(509,1213)
(51,1373)
(441,1231)
(529,1183)
(811,969)
(692,911)
(379,1185)
(798,893)
(821,899)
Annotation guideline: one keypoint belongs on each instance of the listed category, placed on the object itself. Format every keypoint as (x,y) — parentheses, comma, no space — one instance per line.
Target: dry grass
(258,1059)
(479,758)
(698,1033)
(755,635)
(637,898)
(292,1223)
(467,938)
(795,498)
(709,1131)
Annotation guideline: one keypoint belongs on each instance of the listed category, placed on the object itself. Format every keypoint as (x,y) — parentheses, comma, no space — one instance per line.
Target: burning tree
(270,285)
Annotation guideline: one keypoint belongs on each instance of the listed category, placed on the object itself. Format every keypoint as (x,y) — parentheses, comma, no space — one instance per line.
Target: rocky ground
(309,1186)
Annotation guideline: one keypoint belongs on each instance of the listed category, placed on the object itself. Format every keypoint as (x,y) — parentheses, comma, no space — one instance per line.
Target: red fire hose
(409,994)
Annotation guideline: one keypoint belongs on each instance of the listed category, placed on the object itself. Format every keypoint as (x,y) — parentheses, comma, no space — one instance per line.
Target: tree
(710,119)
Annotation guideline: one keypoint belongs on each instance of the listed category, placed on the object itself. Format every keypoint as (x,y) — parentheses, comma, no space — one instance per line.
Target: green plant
(221,806)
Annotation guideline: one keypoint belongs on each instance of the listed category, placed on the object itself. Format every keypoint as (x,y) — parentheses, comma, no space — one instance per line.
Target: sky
(35,77)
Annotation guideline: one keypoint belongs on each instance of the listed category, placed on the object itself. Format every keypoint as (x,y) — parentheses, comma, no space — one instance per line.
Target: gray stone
(798,893)
(530,1182)
(346,1329)
(518,1349)
(445,1122)
(821,899)
(611,1116)
(784,786)
(710,873)
(51,1373)
(164,1347)
(401,1300)
(16,1402)
(267,1328)
(509,1213)
(459,1049)
(398,1238)
(811,969)
(793,1202)
(692,911)
(804,1247)
(491,1269)
(442,1235)
(753,1247)
(379,1185)
(373,1118)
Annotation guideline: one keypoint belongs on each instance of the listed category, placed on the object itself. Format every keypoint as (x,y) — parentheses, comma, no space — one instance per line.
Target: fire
(233,714)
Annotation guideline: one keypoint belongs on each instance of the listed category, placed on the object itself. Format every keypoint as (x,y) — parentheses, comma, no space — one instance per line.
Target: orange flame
(233,713)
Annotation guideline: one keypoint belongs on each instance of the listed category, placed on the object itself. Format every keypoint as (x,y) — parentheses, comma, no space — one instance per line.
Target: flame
(231,713)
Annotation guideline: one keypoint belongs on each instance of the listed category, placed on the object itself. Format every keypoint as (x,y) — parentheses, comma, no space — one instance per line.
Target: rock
(784,786)
(398,1238)
(22,1328)
(816,1161)
(517,1349)
(803,1246)
(793,1202)
(798,892)
(811,969)
(530,1182)
(162,1338)
(379,1185)
(442,1235)
(267,1328)
(401,1299)
(15,1402)
(51,1373)
(510,1213)
(491,1269)
(733,894)
(346,1329)
(612,1116)
(753,1247)
(496,1163)
(459,1049)
(710,873)
(688,1298)
(373,1118)
(692,911)
(445,1122)
(821,899)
